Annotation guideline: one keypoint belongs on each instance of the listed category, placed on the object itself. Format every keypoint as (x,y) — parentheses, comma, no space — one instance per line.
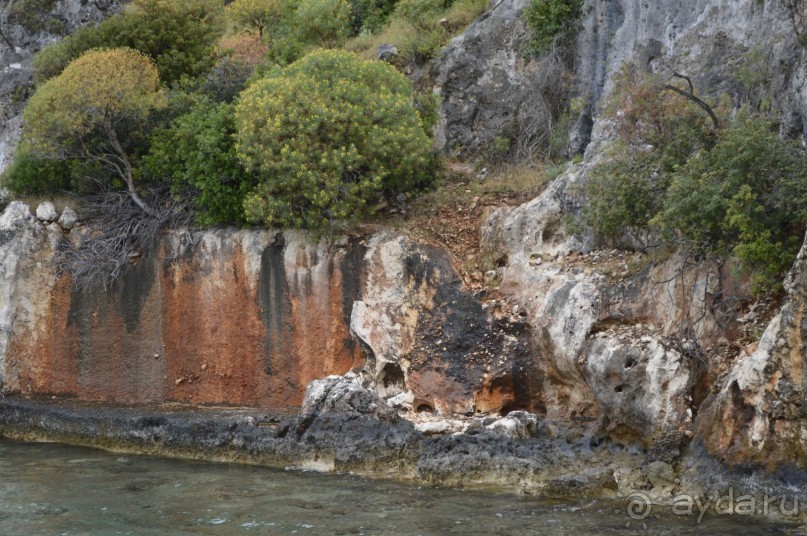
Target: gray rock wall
(611,343)
(17,49)
(490,87)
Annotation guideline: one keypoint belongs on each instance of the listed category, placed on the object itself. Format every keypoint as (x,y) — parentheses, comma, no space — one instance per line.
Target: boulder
(387,52)
(345,394)
(68,219)
(46,212)
(516,425)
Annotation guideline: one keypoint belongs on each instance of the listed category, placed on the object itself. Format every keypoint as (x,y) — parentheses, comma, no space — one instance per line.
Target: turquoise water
(53,489)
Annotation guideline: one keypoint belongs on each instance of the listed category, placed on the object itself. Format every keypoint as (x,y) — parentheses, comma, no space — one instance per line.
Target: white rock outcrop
(46,212)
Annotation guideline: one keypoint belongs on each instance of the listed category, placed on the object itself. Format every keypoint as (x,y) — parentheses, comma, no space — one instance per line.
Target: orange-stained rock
(242,318)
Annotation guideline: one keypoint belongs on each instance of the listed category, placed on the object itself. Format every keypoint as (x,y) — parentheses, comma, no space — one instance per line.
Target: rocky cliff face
(604,347)
(748,50)
(250,318)
(647,355)
(758,412)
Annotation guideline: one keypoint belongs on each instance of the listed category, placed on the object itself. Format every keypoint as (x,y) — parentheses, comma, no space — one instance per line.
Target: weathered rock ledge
(346,427)
(334,441)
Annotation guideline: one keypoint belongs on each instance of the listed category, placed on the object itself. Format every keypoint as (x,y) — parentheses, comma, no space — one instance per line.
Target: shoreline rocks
(347,428)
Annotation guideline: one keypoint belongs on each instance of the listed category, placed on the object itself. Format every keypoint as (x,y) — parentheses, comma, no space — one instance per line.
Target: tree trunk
(126,172)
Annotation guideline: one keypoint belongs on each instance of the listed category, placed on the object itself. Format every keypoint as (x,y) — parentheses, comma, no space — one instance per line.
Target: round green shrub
(29,174)
(197,154)
(328,135)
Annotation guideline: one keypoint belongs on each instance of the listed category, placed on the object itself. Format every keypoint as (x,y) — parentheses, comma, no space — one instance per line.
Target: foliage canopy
(179,34)
(88,108)
(196,153)
(254,14)
(327,135)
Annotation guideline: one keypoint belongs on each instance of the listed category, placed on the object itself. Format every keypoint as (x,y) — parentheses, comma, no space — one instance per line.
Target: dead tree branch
(692,97)
(121,233)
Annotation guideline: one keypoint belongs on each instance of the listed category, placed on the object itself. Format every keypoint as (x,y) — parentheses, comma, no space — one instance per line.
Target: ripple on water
(53,489)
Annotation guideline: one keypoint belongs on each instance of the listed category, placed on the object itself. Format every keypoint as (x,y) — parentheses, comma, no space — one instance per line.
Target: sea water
(54,489)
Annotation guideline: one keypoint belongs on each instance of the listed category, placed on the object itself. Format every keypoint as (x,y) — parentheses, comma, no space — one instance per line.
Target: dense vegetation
(736,191)
(154,99)
(179,36)
(552,20)
(251,113)
(327,136)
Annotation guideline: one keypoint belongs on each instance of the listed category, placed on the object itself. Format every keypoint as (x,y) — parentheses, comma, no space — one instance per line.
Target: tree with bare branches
(87,111)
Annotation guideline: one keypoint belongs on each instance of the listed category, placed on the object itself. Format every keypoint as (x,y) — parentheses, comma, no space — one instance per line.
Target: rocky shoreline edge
(347,428)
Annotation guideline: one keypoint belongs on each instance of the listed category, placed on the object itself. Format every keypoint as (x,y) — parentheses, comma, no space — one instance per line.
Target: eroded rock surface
(491,89)
(758,412)
(252,318)
(425,333)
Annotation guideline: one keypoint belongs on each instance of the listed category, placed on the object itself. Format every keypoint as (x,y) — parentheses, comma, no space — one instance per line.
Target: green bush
(370,15)
(657,131)
(197,154)
(551,19)
(286,49)
(422,14)
(328,136)
(740,191)
(52,60)
(29,174)
(253,14)
(418,28)
(323,22)
(746,197)
(623,191)
(226,80)
(179,35)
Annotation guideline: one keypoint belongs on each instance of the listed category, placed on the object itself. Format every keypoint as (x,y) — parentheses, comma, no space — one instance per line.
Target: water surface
(54,489)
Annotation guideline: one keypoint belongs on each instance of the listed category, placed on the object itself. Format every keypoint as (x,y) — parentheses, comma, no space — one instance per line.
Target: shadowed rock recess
(582,373)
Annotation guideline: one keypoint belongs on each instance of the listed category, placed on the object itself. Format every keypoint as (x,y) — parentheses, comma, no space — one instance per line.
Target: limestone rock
(415,315)
(642,388)
(337,407)
(22,290)
(345,394)
(433,427)
(46,212)
(517,425)
(486,86)
(758,414)
(387,52)
(68,219)
(402,401)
